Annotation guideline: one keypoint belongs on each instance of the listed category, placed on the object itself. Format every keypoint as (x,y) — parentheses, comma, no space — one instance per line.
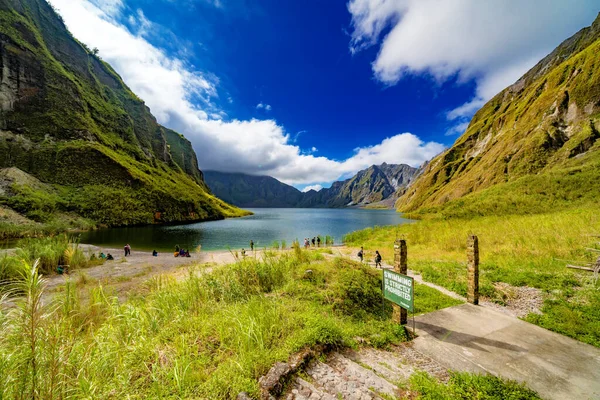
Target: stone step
(365,374)
(303,390)
(340,377)
(399,364)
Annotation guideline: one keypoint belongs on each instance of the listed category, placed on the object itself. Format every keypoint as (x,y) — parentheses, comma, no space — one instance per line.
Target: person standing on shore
(318,241)
(377,259)
(251,245)
(127,249)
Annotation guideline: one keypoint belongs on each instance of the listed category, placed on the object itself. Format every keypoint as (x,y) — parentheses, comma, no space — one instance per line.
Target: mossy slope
(68,119)
(540,131)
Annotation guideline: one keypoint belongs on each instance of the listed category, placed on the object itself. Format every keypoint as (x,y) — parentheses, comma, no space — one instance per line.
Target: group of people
(315,241)
(361,255)
(107,257)
(181,252)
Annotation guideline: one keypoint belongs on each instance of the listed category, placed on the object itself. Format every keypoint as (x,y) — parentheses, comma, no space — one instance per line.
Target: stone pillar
(473,270)
(400,315)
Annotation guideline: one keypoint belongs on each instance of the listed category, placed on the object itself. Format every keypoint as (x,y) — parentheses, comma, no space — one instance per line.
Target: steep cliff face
(547,121)
(68,119)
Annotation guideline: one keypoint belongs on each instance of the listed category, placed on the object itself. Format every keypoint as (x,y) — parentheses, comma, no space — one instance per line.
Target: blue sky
(312,91)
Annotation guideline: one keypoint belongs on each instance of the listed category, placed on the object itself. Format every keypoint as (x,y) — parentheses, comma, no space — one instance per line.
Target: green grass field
(520,250)
(211,335)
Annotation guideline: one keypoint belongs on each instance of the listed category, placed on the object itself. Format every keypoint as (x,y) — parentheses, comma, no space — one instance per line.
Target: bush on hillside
(357,290)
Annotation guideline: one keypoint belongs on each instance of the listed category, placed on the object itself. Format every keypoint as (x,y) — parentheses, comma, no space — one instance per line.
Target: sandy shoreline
(126,275)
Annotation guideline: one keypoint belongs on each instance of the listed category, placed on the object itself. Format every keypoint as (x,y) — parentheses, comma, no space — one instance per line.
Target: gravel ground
(519,300)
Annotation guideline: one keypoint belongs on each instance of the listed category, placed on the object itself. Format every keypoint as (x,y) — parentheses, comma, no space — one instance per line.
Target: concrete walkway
(478,339)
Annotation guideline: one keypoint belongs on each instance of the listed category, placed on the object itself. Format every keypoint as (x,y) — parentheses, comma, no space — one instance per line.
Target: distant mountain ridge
(252,190)
(372,185)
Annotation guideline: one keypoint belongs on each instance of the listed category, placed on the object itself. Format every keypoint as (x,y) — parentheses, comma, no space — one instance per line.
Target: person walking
(361,254)
(377,259)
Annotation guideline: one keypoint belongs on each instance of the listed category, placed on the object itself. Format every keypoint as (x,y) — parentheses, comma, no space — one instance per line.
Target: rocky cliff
(538,138)
(372,185)
(68,119)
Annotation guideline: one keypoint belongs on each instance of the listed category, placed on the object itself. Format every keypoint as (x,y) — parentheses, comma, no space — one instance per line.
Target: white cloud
(167,84)
(457,129)
(493,41)
(110,7)
(316,188)
(263,106)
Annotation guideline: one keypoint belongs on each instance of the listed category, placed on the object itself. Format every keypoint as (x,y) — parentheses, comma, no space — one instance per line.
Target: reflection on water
(264,227)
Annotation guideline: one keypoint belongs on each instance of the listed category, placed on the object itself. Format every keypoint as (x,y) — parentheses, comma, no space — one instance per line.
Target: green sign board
(399,289)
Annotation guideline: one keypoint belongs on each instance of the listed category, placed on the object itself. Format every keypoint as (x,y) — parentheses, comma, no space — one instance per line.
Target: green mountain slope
(372,185)
(533,146)
(68,119)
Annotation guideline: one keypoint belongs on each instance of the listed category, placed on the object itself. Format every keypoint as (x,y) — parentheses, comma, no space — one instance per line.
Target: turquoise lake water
(264,227)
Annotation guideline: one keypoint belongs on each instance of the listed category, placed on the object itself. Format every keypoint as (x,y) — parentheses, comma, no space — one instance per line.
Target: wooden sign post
(473,270)
(400,314)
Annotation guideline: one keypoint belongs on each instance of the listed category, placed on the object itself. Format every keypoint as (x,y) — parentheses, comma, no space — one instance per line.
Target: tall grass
(24,337)
(49,252)
(209,336)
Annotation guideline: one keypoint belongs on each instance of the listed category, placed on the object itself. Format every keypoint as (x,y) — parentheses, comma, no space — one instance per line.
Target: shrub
(9,269)
(358,291)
